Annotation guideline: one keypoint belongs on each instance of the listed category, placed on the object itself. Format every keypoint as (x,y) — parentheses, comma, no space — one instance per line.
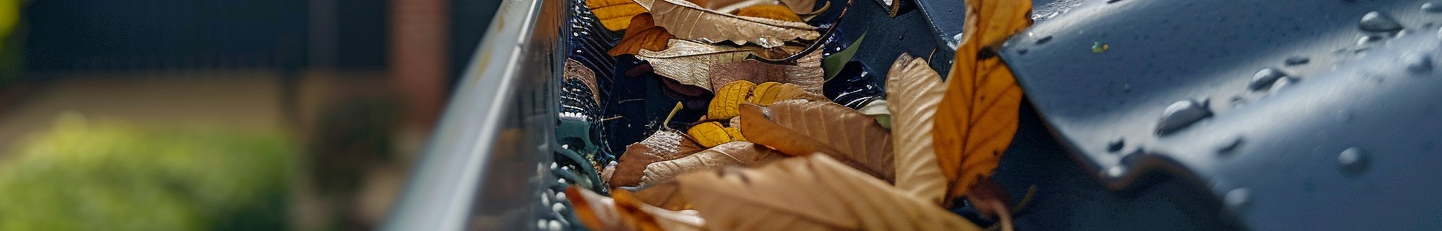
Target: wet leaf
(615,14)
(977,117)
(725,155)
(833,64)
(623,212)
(915,90)
(660,146)
(777,12)
(692,22)
(799,127)
(809,193)
(642,34)
(712,66)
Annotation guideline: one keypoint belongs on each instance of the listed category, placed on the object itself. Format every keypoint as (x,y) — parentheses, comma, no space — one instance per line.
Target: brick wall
(419,56)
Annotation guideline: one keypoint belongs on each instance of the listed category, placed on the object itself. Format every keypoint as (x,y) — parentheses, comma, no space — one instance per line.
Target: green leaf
(833,64)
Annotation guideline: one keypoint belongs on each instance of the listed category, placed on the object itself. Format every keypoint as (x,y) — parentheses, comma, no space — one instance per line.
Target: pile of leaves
(773,152)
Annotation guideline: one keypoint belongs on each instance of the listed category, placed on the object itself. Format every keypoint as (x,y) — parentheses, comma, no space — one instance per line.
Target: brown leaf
(615,14)
(725,155)
(624,213)
(642,34)
(689,21)
(777,12)
(913,91)
(576,70)
(800,127)
(711,66)
(795,6)
(977,117)
(809,193)
(660,146)
(666,195)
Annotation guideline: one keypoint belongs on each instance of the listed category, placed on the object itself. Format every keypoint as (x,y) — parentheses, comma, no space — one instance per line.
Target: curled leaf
(728,98)
(692,22)
(725,155)
(800,127)
(642,34)
(709,134)
(801,7)
(666,195)
(777,12)
(914,91)
(977,117)
(711,66)
(771,92)
(660,146)
(615,14)
(623,212)
(809,193)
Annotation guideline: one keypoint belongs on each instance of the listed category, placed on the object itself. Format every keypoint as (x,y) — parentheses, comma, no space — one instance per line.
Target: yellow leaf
(689,21)
(777,12)
(642,34)
(709,134)
(799,127)
(913,91)
(978,114)
(727,99)
(770,92)
(615,14)
(809,193)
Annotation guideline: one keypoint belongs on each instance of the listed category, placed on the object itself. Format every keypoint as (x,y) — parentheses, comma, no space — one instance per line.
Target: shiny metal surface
(1347,142)
(484,165)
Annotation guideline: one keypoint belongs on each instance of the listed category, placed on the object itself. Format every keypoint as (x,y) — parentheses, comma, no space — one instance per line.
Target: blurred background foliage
(107,175)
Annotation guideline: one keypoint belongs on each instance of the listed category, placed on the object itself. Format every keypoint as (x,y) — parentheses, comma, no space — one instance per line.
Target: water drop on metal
(1116,145)
(1114,172)
(1281,84)
(1227,147)
(1237,198)
(1182,114)
(1431,8)
(1369,39)
(1378,22)
(1264,78)
(1043,40)
(554,225)
(1418,63)
(1354,161)
(1297,60)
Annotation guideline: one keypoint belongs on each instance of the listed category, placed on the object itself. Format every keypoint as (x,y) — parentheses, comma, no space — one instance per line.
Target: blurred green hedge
(89,175)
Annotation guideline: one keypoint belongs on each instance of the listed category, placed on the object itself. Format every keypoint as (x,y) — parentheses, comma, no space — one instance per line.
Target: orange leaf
(799,127)
(777,12)
(615,14)
(977,117)
(641,34)
(661,146)
(624,212)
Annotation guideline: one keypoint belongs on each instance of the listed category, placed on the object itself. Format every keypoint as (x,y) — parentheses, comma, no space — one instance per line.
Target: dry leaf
(576,70)
(809,193)
(711,66)
(914,90)
(978,113)
(800,7)
(725,155)
(642,34)
(771,92)
(692,22)
(615,14)
(666,195)
(660,146)
(800,127)
(624,213)
(777,12)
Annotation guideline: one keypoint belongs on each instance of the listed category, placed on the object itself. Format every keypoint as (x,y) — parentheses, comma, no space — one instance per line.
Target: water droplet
(1365,40)
(1113,1)
(1431,8)
(1043,40)
(1354,161)
(554,225)
(1115,172)
(541,224)
(558,207)
(1418,62)
(1021,51)
(545,200)
(1378,22)
(1182,114)
(1282,84)
(560,197)
(1230,145)
(1297,60)
(1116,145)
(1265,78)
(1237,198)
